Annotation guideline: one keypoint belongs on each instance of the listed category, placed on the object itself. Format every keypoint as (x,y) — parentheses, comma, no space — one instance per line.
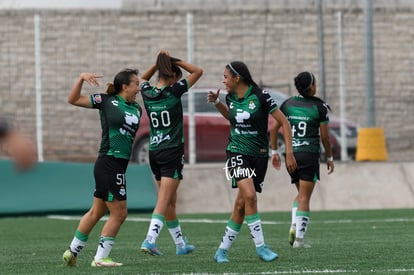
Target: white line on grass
(136,219)
(313,271)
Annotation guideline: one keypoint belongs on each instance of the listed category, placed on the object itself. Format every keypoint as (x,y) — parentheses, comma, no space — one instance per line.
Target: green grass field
(343,242)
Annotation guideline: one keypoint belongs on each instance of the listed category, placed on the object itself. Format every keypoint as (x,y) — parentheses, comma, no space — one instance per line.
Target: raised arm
(195,71)
(146,76)
(75,97)
(221,107)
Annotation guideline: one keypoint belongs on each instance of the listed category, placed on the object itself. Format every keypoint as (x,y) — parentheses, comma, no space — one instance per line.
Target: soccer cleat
(221,256)
(299,243)
(292,235)
(105,262)
(266,254)
(69,258)
(184,249)
(150,248)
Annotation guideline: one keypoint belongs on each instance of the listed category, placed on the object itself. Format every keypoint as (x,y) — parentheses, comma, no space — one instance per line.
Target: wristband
(217,101)
(275,152)
(329,158)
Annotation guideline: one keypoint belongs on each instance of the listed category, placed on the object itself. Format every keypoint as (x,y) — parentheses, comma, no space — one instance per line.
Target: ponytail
(303,83)
(110,89)
(167,68)
(123,77)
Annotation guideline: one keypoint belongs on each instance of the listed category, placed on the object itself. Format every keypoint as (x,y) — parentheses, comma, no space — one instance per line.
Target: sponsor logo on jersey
(252,105)
(97,99)
(242,115)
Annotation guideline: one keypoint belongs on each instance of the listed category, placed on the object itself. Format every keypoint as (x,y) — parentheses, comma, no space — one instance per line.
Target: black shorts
(240,167)
(110,181)
(167,163)
(308,167)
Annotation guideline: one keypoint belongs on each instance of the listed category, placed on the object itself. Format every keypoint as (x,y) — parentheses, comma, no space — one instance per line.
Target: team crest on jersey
(97,99)
(252,105)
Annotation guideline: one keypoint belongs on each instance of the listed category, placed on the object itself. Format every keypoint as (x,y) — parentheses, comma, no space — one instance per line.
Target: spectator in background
(21,150)
(166,149)
(247,108)
(308,117)
(120,116)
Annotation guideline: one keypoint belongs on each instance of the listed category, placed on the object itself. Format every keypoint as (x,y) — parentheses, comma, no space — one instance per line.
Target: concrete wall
(276,38)
(365,185)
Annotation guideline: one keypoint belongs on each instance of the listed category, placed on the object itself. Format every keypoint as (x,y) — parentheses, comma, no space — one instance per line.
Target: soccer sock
(294,209)
(255,227)
(154,230)
(302,220)
(104,247)
(175,231)
(78,242)
(230,234)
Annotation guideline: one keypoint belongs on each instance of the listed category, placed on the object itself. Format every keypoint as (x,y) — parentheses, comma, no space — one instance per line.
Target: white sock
(174,228)
(228,238)
(294,209)
(256,232)
(301,226)
(78,242)
(155,228)
(104,247)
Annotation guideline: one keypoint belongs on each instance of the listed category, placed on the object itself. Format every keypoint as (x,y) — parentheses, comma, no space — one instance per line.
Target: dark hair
(303,83)
(238,68)
(167,68)
(123,77)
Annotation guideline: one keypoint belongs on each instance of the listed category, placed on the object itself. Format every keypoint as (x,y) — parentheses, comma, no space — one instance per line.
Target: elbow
(71,101)
(199,71)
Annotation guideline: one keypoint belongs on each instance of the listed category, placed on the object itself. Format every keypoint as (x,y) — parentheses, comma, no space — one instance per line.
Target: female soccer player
(308,117)
(120,116)
(166,149)
(247,107)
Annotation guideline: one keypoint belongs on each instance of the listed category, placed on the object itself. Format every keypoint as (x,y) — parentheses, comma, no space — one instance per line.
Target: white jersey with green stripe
(119,123)
(305,116)
(165,113)
(248,118)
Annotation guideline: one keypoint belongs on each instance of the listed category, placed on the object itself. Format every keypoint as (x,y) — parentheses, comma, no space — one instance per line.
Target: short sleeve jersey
(165,113)
(119,123)
(248,118)
(305,116)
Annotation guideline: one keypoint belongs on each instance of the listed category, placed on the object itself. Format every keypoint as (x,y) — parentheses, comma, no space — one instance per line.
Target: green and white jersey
(305,116)
(119,123)
(165,113)
(248,118)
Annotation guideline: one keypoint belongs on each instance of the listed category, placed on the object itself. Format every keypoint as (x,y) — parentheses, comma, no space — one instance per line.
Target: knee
(251,199)
(120,216)
(123,215)
(95,214)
